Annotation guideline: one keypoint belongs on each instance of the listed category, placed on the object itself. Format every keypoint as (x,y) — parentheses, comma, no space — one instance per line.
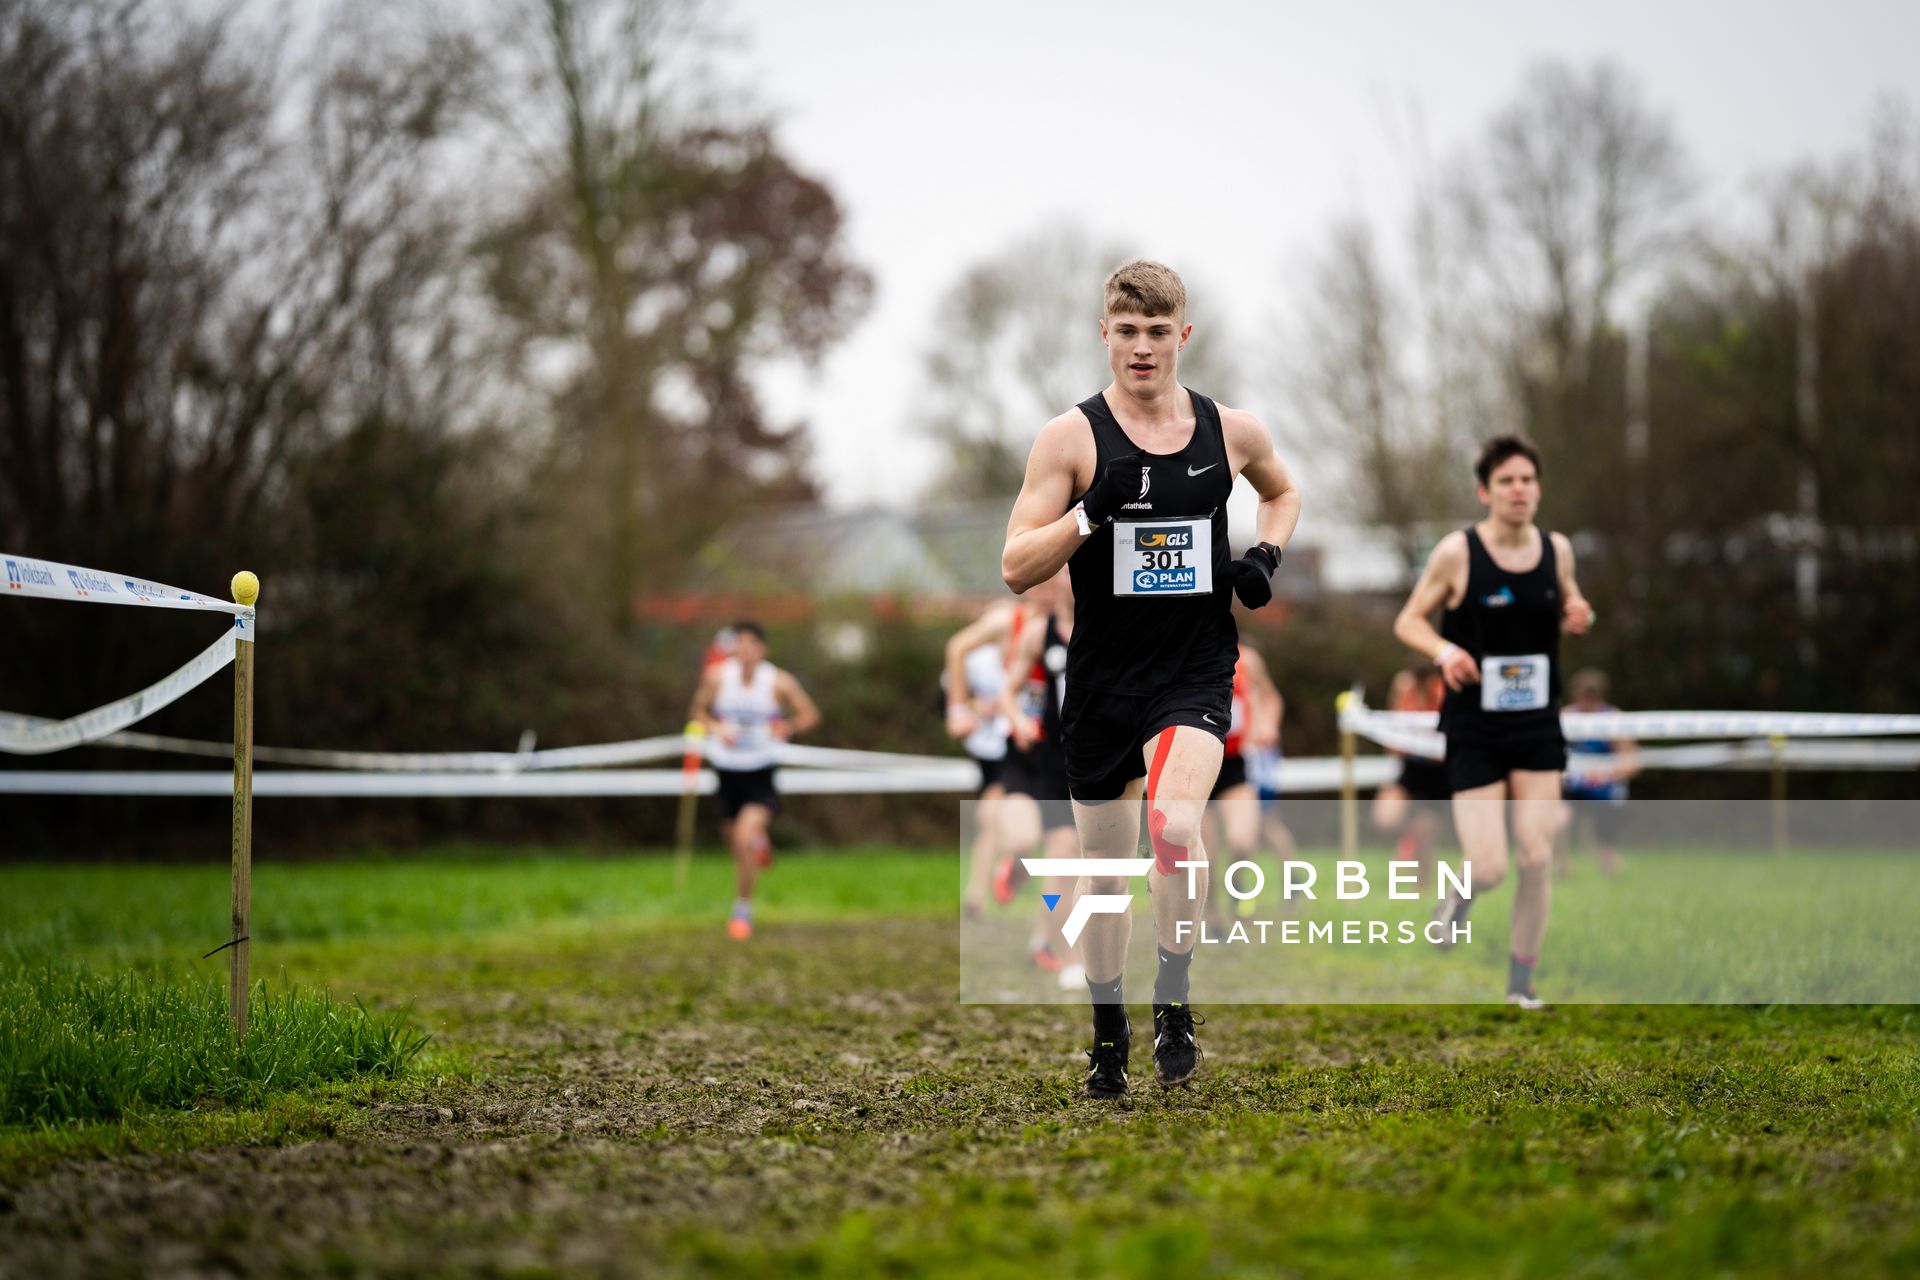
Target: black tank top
(1157,629)
(1509,615)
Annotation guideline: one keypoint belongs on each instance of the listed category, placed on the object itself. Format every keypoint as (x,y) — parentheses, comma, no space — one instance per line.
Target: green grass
(81,1045)
(616,1088)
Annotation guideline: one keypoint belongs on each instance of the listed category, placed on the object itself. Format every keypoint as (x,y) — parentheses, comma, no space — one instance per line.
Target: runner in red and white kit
(975,669)
(1233,810)
(1036,814)
(1129,490)
(749,707)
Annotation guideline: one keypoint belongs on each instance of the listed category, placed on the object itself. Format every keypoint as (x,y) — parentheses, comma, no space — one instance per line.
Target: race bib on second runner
(1514,683)
(1163,557)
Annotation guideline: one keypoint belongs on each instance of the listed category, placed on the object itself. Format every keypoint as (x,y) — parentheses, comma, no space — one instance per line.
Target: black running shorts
(1233,773)
(742,787)
(990,771)
(1042,774)
(1424,779)
(1476,764)
(1108,732)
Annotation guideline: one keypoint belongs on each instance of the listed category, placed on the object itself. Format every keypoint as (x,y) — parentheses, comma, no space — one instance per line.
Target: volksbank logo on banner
(86,581)
(1163,559)
(25,573)
(148,591)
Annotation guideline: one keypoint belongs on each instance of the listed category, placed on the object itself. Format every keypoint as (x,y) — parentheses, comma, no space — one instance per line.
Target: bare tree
(1367,405)
(1017,341)
(660,248)
(199,286)
(1577,193)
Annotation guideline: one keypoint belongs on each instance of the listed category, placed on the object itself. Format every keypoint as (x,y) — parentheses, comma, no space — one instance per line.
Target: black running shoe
(1175,1054)
(1107,1066)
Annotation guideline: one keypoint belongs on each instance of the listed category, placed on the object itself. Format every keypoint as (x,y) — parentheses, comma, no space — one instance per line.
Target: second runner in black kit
(1508,592)
(1129,489)
(1509,623)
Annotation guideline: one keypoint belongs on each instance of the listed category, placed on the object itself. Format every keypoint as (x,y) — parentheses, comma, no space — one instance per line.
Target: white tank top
(749,709)
(986,675)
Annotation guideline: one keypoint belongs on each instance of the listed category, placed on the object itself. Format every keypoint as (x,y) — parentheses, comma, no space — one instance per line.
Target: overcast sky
(1223,138)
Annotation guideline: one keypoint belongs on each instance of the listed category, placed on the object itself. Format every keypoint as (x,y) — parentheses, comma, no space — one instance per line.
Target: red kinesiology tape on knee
(1164,854)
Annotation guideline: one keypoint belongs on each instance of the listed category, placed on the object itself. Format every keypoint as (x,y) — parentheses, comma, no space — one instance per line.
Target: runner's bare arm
(1576,616)
(700,709)
(1441,584)
(1042,533)
(1264,715)
(1249,440)
(990,627)
(802,714)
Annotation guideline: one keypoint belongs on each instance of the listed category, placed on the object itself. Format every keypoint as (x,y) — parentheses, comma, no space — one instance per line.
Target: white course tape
(1307,775)
(30,735)
(51,580)
(1411,727)
(959,776)
(1758,753)
(598,755)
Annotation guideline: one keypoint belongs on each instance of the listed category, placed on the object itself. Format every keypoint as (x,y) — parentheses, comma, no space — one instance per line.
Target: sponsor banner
(26,735)
(51,580)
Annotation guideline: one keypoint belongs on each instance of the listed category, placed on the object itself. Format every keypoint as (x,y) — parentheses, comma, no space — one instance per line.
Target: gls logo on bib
(1178,538)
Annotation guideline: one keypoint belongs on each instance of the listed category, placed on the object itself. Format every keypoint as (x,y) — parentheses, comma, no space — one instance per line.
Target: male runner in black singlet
(1129,490)
(1508,591)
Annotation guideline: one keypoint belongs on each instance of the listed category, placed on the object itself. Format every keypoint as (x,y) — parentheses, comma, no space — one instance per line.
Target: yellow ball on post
(246,588)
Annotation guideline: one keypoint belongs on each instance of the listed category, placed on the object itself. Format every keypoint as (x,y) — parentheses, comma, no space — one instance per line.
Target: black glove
(1119,482)
(1252,575)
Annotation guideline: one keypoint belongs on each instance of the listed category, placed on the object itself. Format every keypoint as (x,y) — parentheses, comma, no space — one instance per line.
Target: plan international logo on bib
(1163,564)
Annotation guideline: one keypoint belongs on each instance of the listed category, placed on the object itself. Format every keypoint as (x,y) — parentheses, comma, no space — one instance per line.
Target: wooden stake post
(242,829)
(1349,785)
(1778,803)
(689,801)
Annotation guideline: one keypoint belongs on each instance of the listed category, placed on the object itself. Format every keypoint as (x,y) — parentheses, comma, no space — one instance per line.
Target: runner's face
(1142,350)
(749,648)
(1512,491)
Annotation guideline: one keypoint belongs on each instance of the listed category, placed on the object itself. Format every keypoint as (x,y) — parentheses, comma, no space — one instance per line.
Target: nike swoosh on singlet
(1210,466)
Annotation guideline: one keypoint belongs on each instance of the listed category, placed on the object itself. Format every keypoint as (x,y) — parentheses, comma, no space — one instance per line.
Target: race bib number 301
(1519,683)
(1163,557)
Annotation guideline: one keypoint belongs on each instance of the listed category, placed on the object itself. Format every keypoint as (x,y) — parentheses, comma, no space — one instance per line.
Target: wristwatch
(1271,550)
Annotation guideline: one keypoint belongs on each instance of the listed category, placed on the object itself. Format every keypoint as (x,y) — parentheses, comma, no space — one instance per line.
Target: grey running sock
(1519,975)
